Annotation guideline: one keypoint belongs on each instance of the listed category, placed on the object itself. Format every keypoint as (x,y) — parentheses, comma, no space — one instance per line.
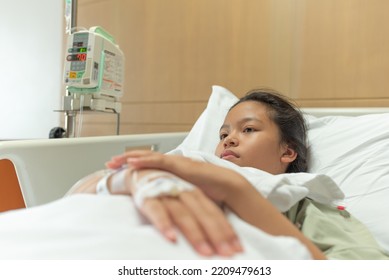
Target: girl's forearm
(252,207)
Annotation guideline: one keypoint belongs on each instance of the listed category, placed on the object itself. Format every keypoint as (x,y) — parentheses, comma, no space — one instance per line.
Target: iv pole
(70,116)
(69,102)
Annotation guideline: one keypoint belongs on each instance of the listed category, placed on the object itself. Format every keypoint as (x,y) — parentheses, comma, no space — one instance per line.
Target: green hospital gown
(338,234)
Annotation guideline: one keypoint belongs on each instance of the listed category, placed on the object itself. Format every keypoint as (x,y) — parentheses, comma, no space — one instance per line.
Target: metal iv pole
(70,116)
(71,104)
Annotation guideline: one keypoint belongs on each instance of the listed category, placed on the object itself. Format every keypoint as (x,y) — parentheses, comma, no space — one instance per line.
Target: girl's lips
(227,154)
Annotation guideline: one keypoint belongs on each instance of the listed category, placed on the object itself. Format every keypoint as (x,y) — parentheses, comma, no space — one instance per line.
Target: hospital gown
(335,231)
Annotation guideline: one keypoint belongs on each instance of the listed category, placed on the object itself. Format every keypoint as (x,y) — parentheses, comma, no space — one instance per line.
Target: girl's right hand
(199,219)
(193,213)
(218,183)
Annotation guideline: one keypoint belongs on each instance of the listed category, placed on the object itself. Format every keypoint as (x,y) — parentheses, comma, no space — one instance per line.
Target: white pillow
(353,151)
(204,135)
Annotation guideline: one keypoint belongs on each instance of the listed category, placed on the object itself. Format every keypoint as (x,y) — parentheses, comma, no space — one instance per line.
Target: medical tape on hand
(159,184)
(117,182)
(101,186)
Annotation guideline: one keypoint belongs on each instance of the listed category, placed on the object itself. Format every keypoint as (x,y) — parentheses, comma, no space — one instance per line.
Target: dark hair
(290,122)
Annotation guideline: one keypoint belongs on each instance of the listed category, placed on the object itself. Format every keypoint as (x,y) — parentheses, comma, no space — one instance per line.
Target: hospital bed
(349,145)
(42,164)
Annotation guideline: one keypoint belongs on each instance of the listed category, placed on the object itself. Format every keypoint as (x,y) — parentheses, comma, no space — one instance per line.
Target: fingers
(119,160)
(157,214)
(149,159)
(188,225)
(213,222)
(201,222)
(201,174)
(116,162)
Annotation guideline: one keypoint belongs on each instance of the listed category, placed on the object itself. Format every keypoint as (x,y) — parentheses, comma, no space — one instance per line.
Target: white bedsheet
(109,227)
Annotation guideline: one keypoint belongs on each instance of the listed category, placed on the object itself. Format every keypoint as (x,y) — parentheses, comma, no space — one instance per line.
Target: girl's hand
(225,186)
(193,213)
(218,183)
(201,222)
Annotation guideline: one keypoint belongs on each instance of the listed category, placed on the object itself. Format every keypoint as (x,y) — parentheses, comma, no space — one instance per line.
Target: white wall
(31,41)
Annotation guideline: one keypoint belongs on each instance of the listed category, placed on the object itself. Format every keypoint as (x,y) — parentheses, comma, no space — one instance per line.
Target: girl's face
(249,138)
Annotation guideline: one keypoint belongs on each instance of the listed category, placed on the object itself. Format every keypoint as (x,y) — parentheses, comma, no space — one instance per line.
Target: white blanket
(109,227)
(282,190)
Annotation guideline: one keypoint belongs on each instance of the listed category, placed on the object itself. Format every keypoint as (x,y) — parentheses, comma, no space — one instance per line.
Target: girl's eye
(223,135)
(248,129)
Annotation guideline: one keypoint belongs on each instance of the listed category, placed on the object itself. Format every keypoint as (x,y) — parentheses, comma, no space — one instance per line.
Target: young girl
(263,130)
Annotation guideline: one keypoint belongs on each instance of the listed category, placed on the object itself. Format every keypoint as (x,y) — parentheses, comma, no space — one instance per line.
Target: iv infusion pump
(93,71)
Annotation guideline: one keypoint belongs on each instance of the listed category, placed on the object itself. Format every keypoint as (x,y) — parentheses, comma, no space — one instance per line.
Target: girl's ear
(289,155)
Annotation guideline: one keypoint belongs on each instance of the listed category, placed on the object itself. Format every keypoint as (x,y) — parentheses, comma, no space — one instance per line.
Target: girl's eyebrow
(224,126)
(242,121)
(248,119)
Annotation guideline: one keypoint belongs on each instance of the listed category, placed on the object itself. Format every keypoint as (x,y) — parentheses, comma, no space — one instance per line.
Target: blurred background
(322,53)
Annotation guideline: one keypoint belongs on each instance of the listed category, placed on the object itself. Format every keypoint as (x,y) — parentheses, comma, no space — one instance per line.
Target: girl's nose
(230,141)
